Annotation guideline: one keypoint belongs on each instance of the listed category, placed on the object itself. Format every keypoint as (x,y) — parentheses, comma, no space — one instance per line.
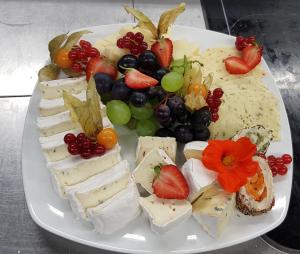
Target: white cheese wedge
(97,189)
(51,125)
(116,212)
(194,149)
(183,48)
(146,144)
(198,177)
(53,89)
(144,172)
(213,209)
(165,214)
(74,169)
(54,147)
(55,106)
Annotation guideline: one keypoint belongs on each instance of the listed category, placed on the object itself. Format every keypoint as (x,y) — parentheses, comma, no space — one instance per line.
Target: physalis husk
(86,113)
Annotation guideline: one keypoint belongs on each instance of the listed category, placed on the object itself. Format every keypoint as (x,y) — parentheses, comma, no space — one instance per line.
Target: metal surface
(26,27)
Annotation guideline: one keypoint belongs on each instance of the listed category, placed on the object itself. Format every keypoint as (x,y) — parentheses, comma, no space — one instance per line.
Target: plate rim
(98,245)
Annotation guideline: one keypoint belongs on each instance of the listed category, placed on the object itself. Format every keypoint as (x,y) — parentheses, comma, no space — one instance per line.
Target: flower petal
(243,149)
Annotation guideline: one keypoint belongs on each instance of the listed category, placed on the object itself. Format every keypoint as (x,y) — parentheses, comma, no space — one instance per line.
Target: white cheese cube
(55,106)
(53,89)
(165,214)
(74,169)
(116,212)
(213,209)
(97,189)
(194,149)
(144,172)
(146,144)
(197,176)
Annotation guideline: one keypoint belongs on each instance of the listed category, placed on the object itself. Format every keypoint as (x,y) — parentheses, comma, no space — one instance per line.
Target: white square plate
(55,215)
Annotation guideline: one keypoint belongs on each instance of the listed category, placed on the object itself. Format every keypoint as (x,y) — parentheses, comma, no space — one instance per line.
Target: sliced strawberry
(137,80)
(252,55)
(163,49)
(236,65)
(100,64)
(170,183)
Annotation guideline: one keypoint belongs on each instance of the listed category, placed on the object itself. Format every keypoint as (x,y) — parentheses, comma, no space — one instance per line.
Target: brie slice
(213,209)
(146,144)
(53,89)
(144,172)
(165,214)
(116,212)
(194,149)
(97,189)
(198,177)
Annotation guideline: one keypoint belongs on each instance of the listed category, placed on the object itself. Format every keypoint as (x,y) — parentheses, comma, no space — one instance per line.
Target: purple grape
(174,102)
(162,113)
(164,132)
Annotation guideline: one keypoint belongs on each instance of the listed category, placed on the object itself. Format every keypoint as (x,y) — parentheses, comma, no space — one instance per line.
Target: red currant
(143,46)
(261,155)
(130,35)
(74,150)
(139,37)
(126,43)
(76,67)
(214,110)
(272,163)
(250,39)
(86,155)
(279,161)
(134,50)
(210,100)
(85,44)
(271,158)
(86,144)
(120,43)
(93,52)
(218,93)
(214,117)
(80,137)
(69,138)
(274,173)
(99,150)
(72,55)
(287,159)
(282,170)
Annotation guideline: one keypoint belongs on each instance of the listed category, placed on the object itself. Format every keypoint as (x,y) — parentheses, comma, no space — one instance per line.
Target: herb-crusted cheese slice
(198,177)
(213,209)
(53,89)
(116,212)
(99,188)
(194,149)
(144,172)
(165,214)
(146,144)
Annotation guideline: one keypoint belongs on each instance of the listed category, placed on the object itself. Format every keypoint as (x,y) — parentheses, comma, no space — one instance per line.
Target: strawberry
(236,65)
(163,49)
(100,64)
(170,183)
(252,55)
(137,80)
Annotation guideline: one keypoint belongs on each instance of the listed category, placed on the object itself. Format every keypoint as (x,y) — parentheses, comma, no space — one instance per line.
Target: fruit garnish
(170,183)
(100,64)
(278,165)
(48,72)
(61,58)
(252,55)
(146,127)
(136,80)
(86,113)
(243,42)
(213,101)
(232,160)
(55,44)
(172,81)
(163,49)
(107,137)
(133,42)
(148,61)
(127,61)
(194,101)
(236,65)
(118,112)
(167,18)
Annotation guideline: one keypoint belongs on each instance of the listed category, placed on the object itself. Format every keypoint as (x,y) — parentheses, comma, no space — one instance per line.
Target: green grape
(172,81)
(178,66)
(141,113)
(118,112)
(146,127)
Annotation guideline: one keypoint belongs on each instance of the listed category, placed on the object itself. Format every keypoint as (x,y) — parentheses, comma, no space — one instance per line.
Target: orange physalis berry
(62,60)
(107,137)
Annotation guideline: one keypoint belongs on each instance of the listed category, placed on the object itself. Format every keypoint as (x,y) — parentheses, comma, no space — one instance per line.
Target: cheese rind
(165,214)
(73,170)
(116,212)
(213,209)
(198,177)
(97,189)
(146,144)
(53,89)
(194,149)
(144,172)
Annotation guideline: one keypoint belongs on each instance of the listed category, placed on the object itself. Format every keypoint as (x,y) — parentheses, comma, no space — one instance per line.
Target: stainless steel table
(25,28)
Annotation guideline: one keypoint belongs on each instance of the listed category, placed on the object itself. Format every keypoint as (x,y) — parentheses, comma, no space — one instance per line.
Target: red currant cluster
(214,101)
(83,146)
(242,42)
(278,164)
(80,54)
(134,42)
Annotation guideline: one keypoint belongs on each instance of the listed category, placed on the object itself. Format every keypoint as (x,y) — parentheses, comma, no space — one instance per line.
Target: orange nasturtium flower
(232,160)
